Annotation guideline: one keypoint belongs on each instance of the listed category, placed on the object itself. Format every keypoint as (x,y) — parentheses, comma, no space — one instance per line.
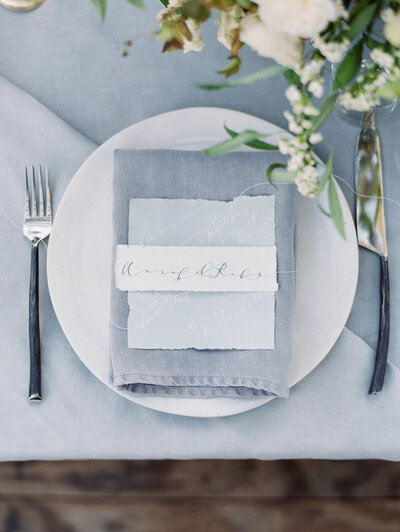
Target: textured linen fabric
(189,372)
(60,55)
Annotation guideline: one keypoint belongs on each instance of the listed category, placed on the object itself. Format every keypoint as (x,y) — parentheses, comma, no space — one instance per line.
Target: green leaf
(323,210)
(391,90)
(257,144)
(283,177)
(292,78)
(358,6)
(371,42)
(244,3)
(348,68)
(228,145)
(270,169)
(362,20)
(196,10)
(232,68)
(325,109)
(101,6)
(274,175)
(165,2)
(265,73)
(327,172)
(335,208)
(137,3)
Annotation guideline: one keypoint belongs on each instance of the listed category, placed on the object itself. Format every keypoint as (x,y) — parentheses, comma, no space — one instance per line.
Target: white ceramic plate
(79,257)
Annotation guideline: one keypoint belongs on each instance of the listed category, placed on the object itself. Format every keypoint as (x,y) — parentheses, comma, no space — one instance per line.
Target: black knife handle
(384,331)
(35,385)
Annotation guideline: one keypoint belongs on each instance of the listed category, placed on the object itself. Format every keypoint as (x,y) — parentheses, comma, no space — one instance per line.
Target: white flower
(307,181)
(299,144)
(379,82)
(171,7)
(288,115)
(315,138)
(387,14)
(392,29)
(307,189)
(293,94)
(230,20)
(295,128)
(194,45)
(298,108)
(382,58)
(308,173)
(360,102)
(333,51)
(316,88)
(310,110)
(341,10)
(300,18)
(295,162)
(306,124)
(310,70)
(285,49)
(283,146)
(197,43)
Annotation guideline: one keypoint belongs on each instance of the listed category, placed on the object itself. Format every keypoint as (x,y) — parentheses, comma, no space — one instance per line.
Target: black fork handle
(384,331)
(35,384)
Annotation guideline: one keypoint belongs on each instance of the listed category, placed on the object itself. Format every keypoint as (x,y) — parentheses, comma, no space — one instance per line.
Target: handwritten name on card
(196,269)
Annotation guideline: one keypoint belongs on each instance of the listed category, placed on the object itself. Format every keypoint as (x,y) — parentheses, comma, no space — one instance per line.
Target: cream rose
(300,18)
(285,49)
(392,29)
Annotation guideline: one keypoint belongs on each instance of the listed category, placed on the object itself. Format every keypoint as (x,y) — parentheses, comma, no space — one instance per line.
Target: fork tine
(27,207)
(48,197)
(34,209)
(41,207)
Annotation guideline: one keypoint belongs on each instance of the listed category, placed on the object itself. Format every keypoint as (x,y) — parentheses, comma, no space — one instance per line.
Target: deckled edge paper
(196,268)
(163,320)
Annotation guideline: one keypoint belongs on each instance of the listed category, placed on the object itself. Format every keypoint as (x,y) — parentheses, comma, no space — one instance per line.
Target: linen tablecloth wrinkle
(191,175)
(60,55)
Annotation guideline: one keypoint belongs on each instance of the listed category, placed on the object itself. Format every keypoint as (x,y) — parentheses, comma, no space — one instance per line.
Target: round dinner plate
(22,5)
(80,248)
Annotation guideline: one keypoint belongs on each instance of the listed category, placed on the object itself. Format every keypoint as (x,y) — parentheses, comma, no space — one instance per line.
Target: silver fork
(37,226)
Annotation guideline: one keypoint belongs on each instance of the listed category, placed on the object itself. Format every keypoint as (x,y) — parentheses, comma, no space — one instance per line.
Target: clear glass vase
(386,107)
(355,118)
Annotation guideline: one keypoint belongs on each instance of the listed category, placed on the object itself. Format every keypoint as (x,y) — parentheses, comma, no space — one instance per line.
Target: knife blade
(371,230)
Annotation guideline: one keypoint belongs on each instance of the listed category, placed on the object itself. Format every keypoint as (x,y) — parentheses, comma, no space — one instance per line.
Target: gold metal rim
(21,5)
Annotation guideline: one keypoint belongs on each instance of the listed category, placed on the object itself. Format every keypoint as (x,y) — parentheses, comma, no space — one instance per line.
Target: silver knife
(371,230)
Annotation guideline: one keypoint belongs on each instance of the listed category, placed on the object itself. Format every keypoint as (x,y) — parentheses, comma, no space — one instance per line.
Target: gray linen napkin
(190,372)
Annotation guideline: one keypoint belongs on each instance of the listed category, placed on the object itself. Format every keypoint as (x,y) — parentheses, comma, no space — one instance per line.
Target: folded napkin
(147,188)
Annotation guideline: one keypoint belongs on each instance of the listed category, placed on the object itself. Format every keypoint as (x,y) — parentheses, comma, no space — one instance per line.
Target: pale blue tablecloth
(65,88)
